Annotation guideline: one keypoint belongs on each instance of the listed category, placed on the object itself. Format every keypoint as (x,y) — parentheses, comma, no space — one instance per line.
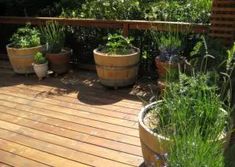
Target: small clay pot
(59,62)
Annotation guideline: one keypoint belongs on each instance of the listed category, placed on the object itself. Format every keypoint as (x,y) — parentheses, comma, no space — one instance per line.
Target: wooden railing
(126,25)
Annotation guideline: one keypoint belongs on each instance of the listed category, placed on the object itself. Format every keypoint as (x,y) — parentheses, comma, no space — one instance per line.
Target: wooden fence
(223,20)
(126,25)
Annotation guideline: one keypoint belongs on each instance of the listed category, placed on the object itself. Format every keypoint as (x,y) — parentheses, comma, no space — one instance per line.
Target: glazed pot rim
(97,51)
(34,47)
(147,108)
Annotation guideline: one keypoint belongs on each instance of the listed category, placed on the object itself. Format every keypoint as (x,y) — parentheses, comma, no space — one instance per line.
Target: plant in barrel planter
(169,59)
(117,62)
(40,65)
(189,108)
(57,55)
(25,43)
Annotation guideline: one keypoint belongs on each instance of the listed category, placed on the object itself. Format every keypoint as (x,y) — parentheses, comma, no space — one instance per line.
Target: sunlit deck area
(67,121)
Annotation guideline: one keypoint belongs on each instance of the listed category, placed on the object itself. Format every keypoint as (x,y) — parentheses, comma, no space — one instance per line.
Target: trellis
(223,20)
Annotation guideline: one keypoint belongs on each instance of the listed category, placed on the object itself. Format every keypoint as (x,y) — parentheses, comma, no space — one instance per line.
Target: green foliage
(118,45)
(174,10)
(109,9)
(193,151)
(39,58)
(189,103)
(170,45)
(54,36)
(26,37)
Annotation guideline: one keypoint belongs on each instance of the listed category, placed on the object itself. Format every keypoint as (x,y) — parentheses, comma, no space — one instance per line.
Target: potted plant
(168,60)
(57,55)
(190,105)
(25,43)
(117,62)
(40,65)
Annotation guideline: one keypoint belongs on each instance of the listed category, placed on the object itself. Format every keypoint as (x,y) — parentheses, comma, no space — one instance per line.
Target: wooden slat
(16,160)
(48,119)
(68,104)
(76,114)
(222,20)
(72,144)
(101,142)
(70,118)
(92,131)
(37,155)
(132,24)
(63,152)
(4,165)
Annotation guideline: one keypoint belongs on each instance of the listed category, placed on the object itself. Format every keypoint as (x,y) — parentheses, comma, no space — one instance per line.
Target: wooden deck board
(67,121)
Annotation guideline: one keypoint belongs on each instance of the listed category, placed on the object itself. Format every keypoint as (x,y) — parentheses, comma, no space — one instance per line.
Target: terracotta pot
(155,146)
(166,70)
(117,70)
(41,70)
(59,62)
(21,59)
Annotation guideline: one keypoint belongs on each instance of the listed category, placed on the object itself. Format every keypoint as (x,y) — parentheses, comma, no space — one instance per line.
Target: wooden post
(125,30)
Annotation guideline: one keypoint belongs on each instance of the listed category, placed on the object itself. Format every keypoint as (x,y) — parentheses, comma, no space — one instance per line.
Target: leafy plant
(170,45)
(192,150)
(54,35)
(189,103)
(39,58)
(26,37)
(118,45)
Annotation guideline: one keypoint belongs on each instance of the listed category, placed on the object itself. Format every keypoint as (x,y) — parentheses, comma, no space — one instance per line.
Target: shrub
(117,45)
(26,37)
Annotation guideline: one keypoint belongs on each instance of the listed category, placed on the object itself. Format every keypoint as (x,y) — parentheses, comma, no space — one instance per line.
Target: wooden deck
(67,121)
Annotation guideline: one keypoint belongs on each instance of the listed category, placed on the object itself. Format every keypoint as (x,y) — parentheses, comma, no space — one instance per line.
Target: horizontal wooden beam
(131,24)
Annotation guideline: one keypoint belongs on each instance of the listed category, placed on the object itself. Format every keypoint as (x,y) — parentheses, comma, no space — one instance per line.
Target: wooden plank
(37,155)
(70,118)
(72,144)
(39,105)
(68,104)
(4,165)
(63,152)
(18,161)
(101,142)
(72,126)
(133,24)
(224,9)
(93,95)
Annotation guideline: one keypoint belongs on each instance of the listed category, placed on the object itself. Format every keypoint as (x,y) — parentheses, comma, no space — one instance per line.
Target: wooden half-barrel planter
(117,70)
(155,147)
(21,59)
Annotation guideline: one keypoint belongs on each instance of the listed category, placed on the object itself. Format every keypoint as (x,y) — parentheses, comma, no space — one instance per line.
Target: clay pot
(59,62)
(166,70)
